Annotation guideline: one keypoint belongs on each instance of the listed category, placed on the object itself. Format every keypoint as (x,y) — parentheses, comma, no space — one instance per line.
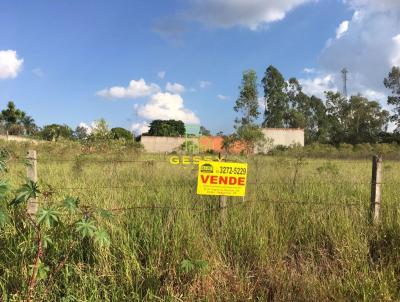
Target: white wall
(161,144)
(283,136)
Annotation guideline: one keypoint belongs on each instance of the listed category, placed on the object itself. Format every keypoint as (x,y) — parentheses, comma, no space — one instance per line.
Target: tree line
(14,121)
(335,120)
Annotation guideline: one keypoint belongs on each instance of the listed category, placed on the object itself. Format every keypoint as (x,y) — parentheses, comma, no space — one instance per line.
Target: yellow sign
(221,178)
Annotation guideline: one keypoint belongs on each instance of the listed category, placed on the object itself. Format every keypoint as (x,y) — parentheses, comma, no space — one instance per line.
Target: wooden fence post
(222,199)
(222,207)
(32,175)
(376,183)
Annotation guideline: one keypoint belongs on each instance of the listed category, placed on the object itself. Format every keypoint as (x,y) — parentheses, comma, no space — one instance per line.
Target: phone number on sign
(230,170)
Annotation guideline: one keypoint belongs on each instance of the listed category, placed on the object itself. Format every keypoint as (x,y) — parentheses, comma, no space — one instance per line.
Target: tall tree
(318,129)
(355,120)
(247,102)
(29,125)
(16,121)
(337,109)
(392,82)
(366,120)
(100,130)
(276,99)
(247,132)
(299,109)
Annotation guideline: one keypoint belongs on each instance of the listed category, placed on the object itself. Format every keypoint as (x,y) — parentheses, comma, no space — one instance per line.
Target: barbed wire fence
(31,162)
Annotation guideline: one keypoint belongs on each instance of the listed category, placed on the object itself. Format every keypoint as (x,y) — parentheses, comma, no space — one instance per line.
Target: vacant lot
(301,233)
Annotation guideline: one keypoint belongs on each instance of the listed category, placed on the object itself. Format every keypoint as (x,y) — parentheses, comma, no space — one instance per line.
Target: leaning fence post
(32,175)
(376,183)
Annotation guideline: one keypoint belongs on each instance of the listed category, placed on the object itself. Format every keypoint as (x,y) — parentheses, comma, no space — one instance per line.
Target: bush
(121,133)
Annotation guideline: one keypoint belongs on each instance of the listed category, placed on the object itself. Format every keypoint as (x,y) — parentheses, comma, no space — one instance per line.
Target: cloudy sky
(132,61)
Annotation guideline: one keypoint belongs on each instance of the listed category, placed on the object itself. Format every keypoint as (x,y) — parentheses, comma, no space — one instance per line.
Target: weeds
(269,249)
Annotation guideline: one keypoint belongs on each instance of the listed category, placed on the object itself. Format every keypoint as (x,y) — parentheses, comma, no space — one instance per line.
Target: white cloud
(223,97)
(135,89)
(342,29)
(251,14)
(166,106)
(374,95)
(318,85)
(10,64)
(175,88)
(204,84)
(368,49)
(88,128)
(38,72)
(161,74)
(395,58)
(374,5)
(140,128)
(309,70)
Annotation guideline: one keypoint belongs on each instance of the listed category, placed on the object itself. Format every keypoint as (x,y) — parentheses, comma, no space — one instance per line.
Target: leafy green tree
(166,128)
(11,115)
(204,131)
(16,121)
(100,130)
(29,125)
(356,120)
(247,132)
(81,133)
(338,109)
(392,82)
(247,103)
(121,133)
(299,109)
(318,127)
(308,113)
(54,132)
(366,120)
(276,99)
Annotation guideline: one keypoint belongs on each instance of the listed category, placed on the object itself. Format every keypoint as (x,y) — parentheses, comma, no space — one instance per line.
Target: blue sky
(59,60)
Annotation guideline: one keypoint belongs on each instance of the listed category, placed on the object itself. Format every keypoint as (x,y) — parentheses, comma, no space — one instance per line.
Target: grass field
(301,234)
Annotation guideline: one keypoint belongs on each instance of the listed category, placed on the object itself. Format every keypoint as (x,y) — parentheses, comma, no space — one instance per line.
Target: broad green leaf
(28,190)
(46,241)
(48,216)
(3,217)
(102,238)
(42,272)
(4,188)
(86,228)
(71,204)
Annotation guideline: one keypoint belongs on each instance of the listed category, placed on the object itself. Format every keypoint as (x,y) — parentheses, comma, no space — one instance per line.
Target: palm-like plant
(29,124)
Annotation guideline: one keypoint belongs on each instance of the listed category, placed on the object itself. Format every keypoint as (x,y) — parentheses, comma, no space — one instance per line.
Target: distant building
(282,137)
(274,136)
